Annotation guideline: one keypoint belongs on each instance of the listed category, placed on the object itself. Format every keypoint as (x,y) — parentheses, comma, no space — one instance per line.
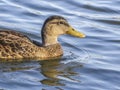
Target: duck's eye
(61,22)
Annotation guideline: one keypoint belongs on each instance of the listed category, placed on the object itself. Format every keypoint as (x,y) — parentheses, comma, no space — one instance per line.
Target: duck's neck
(49,40)
(48,36)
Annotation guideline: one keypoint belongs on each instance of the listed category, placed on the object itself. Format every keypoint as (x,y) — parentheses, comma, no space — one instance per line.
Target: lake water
(92,63)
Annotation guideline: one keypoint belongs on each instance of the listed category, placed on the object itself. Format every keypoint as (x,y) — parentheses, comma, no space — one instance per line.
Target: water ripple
(92,61)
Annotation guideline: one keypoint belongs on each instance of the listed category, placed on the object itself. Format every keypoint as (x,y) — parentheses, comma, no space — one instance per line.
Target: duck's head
(55,26)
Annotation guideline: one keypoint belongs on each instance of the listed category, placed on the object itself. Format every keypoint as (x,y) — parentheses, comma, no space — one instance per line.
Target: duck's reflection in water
(56,72)
(49,72)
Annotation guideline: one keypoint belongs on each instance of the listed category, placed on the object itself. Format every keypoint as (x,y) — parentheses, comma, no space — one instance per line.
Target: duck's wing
(12,35)
(15,45)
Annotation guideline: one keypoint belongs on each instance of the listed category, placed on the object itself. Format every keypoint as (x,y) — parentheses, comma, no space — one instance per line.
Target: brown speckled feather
(14,45)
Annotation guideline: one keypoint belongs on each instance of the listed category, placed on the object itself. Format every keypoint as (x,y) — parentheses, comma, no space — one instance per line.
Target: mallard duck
(15,45)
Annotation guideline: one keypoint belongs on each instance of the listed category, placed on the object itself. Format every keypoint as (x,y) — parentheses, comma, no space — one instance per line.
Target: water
(91,63)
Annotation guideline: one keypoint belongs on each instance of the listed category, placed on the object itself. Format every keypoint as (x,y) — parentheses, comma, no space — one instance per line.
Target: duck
(16,45)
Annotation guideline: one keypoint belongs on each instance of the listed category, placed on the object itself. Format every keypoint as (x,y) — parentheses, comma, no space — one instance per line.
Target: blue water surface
(92,63)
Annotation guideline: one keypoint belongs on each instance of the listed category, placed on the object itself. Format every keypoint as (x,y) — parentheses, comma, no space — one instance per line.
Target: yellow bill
(75,33)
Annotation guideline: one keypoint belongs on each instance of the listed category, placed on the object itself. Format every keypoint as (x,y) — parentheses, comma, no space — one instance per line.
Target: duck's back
(15,45)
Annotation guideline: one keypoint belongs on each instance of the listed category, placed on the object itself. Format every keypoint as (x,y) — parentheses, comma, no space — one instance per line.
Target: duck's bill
(75,33)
